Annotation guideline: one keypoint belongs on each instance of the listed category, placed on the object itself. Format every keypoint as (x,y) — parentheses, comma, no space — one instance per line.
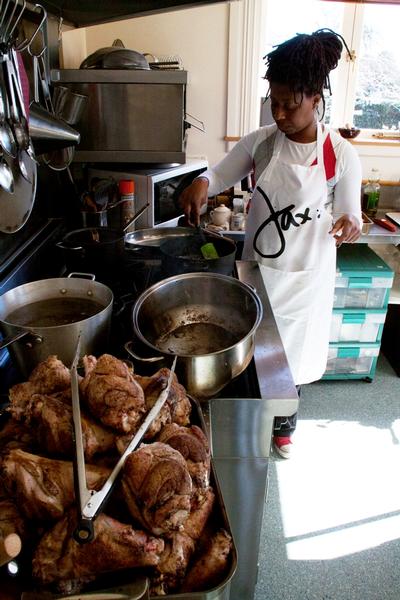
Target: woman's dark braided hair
(304,62)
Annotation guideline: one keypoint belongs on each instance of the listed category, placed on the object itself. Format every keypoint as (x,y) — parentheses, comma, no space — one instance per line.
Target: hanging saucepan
(44,317)
(97,250)
(208,320)
(184,255)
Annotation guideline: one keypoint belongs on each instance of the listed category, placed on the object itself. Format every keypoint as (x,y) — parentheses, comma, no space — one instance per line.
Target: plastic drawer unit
(352,361)
(353,325)
(363,279)
(362,289)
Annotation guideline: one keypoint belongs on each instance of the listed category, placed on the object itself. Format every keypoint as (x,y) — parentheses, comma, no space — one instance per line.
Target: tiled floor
(332,521)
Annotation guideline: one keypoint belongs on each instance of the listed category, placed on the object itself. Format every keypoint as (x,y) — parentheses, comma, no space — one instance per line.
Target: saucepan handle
(66,247)
(77,274)
(10,339)
(128,348)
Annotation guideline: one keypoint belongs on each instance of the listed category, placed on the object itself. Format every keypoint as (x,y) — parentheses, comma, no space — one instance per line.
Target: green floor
(332,521)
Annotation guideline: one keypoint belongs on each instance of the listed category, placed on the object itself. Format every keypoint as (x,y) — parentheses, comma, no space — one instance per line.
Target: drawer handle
(354,318)
(360,282)
(348,353)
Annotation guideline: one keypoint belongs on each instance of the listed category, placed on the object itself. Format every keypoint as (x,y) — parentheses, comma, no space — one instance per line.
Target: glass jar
(371,194)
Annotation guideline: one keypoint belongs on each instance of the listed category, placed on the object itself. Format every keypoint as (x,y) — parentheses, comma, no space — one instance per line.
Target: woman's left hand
(346,229)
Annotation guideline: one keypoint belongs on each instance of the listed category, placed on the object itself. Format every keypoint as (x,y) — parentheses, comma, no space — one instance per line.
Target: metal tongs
(90,501)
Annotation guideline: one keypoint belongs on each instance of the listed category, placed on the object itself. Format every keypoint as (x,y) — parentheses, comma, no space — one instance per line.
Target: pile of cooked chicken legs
(162,514)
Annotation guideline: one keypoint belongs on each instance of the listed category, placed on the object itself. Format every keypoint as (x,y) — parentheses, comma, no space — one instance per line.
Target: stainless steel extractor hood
(84,13)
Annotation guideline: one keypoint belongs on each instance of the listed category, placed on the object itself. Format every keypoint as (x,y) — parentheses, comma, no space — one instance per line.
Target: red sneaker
(283,445)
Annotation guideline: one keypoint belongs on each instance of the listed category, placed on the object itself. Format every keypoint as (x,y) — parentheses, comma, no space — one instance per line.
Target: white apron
(287,232)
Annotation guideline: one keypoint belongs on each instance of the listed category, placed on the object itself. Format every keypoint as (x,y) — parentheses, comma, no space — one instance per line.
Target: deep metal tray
(128,584)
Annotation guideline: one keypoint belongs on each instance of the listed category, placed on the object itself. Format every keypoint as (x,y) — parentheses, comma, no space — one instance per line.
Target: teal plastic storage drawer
(363,279)
(352,361)
(353,325)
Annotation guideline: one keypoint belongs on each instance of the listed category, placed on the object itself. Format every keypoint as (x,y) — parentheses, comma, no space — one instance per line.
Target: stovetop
(135,272)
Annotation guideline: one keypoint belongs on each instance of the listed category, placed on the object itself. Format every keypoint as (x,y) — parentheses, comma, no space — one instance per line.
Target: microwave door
(166,201)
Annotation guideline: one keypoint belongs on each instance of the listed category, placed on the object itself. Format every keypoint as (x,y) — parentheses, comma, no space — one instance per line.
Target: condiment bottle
(127,197)
(371,194)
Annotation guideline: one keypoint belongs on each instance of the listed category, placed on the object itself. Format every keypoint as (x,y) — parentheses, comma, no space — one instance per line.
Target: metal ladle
(20,128)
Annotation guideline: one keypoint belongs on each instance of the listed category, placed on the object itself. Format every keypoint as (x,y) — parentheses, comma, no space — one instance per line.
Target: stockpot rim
(197,275)
(61,280)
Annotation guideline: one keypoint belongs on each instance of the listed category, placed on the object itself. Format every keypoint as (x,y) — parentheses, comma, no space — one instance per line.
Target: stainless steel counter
(376,234)
(241,432)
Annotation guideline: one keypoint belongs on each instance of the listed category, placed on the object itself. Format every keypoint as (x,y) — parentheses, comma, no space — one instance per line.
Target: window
(377,88)
(366,91)
(285,18)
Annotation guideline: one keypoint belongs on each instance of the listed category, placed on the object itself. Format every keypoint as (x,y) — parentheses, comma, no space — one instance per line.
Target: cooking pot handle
(82,275)
(7,341)
(64,247)
(128,348)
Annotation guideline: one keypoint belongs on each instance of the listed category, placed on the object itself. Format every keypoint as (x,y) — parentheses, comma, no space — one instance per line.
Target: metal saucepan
(208,320)
(45,317)
(95,249)
(184,255)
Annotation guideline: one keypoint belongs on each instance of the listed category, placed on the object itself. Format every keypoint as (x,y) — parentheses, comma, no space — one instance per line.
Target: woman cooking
(306,202)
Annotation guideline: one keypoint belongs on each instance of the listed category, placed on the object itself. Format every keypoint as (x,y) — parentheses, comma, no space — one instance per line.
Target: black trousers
(284,426)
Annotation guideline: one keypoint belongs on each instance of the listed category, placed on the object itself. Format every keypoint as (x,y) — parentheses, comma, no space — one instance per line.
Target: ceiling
(81,13)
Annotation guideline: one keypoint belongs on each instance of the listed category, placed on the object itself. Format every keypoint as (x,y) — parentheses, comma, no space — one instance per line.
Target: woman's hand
(192,199)
(346,229)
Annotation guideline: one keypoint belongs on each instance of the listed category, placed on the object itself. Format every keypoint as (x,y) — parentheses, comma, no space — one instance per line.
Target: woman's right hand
(193,198)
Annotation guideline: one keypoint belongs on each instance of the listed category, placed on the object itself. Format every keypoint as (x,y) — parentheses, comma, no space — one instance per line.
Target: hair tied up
(304,62)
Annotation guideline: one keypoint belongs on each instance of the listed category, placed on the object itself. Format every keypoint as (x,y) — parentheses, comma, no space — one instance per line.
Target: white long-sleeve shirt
(253,152)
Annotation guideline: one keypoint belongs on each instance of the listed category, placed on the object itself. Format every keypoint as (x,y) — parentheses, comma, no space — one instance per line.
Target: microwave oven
(160,188)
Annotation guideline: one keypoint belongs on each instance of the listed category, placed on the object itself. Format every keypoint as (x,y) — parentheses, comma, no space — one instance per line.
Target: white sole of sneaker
(283,451)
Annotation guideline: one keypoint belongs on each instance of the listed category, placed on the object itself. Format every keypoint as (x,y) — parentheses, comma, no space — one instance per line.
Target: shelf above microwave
(129,156)
(118,76)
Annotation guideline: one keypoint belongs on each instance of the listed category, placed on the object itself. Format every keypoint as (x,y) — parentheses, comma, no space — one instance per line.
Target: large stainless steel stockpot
(44,317)
(208,320)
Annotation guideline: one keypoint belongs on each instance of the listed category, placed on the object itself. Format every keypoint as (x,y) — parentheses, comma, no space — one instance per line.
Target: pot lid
(114,57)
(16,207)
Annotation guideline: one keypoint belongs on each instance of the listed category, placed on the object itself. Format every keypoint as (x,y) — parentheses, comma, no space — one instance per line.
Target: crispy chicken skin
(50,376)
(42,487)
(157,487)
(193,445)
(171,569)
(201,505)
(112,395)
(16,435)
(11,520)
(177,407)
(180,545)
(51,420)
(211,565)
(59,557)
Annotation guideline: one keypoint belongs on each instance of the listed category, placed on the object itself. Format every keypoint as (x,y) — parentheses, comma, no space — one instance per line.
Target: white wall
(200,37)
